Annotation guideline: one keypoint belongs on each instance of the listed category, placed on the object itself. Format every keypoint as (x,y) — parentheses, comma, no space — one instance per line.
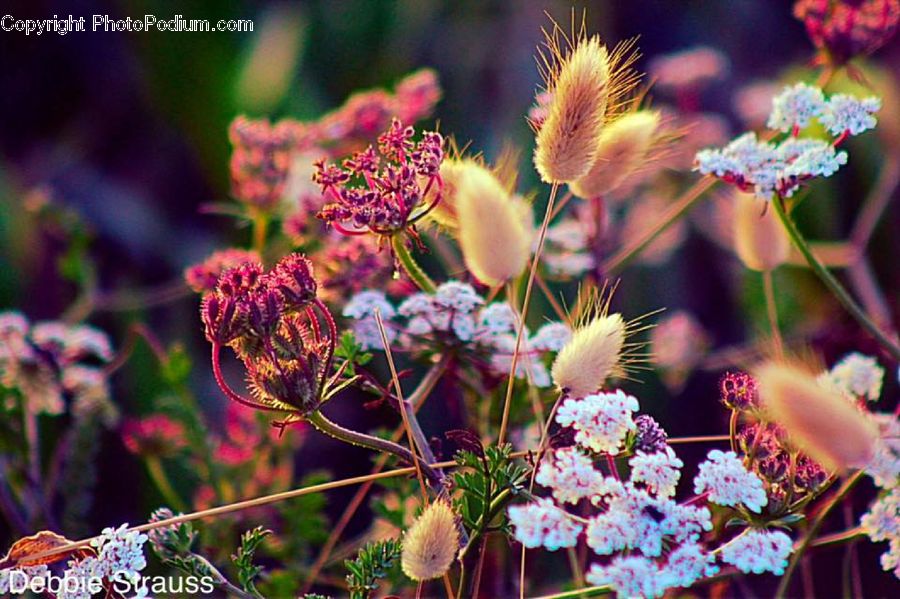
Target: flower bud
(224,318)
(431,543)
(293,278)
(494,227)
(623,148)
(760,239)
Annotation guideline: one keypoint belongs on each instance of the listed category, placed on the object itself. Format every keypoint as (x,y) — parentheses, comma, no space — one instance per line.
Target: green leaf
(373,563)
(243,559)
(177,366)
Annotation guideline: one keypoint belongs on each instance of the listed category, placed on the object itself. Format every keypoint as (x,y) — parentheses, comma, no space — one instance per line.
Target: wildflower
(579,83)
(884,467)
(689,563)
(591,356)
(494,227)
(541,523)
(857,375)
(758,551)
(156,435)
(553,336)
(890,560)
(649,436)
(382,192)
(120,552)
(847,28)
(679,342)
(623,147)
(660,471)
(431,543)
(570,474)
(726,482)
(809,474)
(601,421)
(795,107)
(882,521)
(760,240)
(203,277)
(631,576)
(261,160)
(688,69)
(847,114)
(566,253)
(417,94)
(823,424)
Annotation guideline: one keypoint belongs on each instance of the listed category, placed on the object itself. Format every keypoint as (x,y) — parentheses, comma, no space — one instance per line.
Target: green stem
(587,592)
(409,264)
(260,231)
(161,480)
(813,529)
(332,429)
(669,217)
(832,283)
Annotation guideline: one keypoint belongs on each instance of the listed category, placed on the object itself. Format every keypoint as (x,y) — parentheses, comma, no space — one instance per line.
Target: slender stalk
(586,592)
(415,437)
(409,264)
(332,429)
(801,548)
(732,430)
(162,482)
(260,231)
(700,439)
(772,312)
(675,211)
(832,283)
(504,422)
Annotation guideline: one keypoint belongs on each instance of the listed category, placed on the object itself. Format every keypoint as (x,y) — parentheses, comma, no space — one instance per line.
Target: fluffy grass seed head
(495,227)
(623,148)
(598,348)
(760,239)
(585,83)
(431,543)
(818,419)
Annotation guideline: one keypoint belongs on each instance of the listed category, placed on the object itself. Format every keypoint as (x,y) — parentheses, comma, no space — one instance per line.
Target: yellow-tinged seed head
(591,356)
(444,212)
(760,239)
(431,543)
(818,420)
(494,226)
(566,143)
(623,148)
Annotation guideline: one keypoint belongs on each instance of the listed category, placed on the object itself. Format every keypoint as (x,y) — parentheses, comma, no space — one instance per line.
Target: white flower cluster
(767,168)
(882,521)
(758,551)
(456,313)
(856,376)
(542,524)
(7,576)
(797,105)
(566,248)
(571,476)
(659,470)
(637,576)
(601,421)
(726,482)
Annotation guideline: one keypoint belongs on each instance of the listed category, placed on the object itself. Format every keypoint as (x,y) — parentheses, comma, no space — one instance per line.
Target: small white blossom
(846,113)
(884,467)
(723,477)
(361,308)
(496,319)
(660,471)
(882,521)
(551,337)
(796,106)
(121,551)
(631,576)
(890,560)
(543,524)
(858,375)
(601,421)
(758,551)
(689,563)
(454,295)
(570,474)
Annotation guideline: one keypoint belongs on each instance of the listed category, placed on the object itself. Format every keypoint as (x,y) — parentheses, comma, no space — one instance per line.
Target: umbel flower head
(818,419)
(273,323)
(597,349)
(431,543)
(583,83)
(494,226)
(383,191)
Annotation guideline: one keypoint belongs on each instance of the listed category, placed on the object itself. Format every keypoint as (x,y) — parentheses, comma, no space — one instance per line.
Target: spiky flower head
(494,226)
(818,419)
(431,543)
(597,350)
(585,83)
